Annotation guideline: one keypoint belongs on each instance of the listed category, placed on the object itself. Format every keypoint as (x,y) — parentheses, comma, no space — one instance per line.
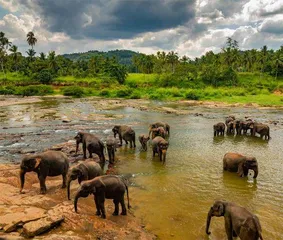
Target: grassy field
(251,88)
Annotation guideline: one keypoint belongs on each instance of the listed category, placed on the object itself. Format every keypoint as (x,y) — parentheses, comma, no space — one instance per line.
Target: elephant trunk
(255,171)
(68,187)
(22,179)
(208,222)
(145,146)
(77,147)
(164,155)
(76,201)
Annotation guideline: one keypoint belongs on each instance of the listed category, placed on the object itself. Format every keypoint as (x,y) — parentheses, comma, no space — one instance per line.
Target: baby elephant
(219,129)
(160,146)
(143,140)
(111,148)
(49,163)
(83,171)
(235,162)
(126,133)
(239,222)
(109,187)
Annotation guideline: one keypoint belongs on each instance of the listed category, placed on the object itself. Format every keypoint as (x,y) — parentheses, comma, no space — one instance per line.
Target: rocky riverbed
(52,216)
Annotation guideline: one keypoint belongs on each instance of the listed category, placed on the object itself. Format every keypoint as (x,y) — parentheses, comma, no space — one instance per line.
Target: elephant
(261,129)
(160,131)
(237,126)
(49,163)
(219,129)
(83,171)
(107,186)
(247,125)
(160,146)
(126,133)
(239,222)
(143,138)
(111,148)
(166,127)
(235,162)
(230,125)
(92,143)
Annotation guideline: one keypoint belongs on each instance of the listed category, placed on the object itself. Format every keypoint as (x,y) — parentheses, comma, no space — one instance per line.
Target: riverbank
(52,216)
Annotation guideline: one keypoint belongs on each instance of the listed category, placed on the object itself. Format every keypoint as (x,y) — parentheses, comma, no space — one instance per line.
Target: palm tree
(31,39)
(42,56)
(4,44)
(52,61)
(172,58)
(278,61)
(184,59)
(263,58)
(31,53)
(15,55)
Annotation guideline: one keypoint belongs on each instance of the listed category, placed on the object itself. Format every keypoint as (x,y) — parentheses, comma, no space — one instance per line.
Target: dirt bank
(52,216)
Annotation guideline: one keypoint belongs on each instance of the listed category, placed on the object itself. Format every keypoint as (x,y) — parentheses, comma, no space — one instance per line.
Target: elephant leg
(116,203)
(131,143)
(101,200)
(42,184)
(98,213)
(84,150)
(120,137)
(153,153)
(160,156)
(228,228)
(134,141)
(126,142)
(124,210)
(64,180)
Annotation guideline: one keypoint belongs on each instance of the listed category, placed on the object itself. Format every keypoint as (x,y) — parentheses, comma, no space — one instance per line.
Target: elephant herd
(238,127)
(89,173)
(238,220)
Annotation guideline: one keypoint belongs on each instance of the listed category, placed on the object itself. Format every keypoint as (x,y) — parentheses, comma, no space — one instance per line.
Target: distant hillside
(123,56)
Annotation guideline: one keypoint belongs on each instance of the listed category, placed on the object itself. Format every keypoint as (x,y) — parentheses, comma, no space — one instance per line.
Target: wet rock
(42,225)
(66,120)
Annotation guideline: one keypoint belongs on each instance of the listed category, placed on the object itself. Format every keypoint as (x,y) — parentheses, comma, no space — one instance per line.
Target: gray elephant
(235,162)
(262,129)
(126,133)
(219,129)
(91,143)
(246,126)
(166,127)
(160,146)
(83,171)
(143,138)
(111,148)
(237,126)
(160,131)
(49,163)
(109,187)
(239,222)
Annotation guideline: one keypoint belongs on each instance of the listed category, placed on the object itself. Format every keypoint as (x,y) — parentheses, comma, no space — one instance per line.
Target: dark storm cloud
(273,27)
(112,19)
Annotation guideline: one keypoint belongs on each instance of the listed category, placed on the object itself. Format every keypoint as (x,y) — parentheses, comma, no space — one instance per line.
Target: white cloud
(10,5)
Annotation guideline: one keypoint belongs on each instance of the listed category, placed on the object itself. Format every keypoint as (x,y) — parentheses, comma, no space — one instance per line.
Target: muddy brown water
(173,200)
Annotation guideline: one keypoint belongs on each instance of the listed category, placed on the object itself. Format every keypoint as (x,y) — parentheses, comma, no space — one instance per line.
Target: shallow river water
(172,199)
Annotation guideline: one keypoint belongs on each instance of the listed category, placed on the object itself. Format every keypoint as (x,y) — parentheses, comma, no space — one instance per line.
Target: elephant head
(29,163)
(248,163)
(144,139)
(79,139)
(217,210)
(162,147)
(80,172)
(88,187)
(116,130)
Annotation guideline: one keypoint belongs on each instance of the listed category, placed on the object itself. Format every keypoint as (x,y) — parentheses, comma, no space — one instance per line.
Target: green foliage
(34,90)
(124,92)
(192,95)
(74,91)
(45,76)
(104,93)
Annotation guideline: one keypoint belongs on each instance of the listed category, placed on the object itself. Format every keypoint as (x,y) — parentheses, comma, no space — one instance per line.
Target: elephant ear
(37,162)
(99,185)
(83,172)
(221,209)
(241,169)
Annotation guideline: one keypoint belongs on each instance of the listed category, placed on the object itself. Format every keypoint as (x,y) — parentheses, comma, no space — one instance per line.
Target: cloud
(272,26)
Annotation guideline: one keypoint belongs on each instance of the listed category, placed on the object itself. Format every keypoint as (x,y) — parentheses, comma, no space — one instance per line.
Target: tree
(31,39)
(278,60)
(42,56)
(15,55)
(263,58)
(31,53)
(4,44)
(172,59)
(52,61)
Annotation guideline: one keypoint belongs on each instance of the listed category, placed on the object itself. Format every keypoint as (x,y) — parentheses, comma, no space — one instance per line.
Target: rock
(25,151)
(66,120)
(42,225)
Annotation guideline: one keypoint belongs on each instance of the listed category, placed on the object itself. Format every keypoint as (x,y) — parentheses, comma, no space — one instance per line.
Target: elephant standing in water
(126,133)
(219,129)
(91,143)
(49,163)
(247,125)
(109,187)
(239,222)
(83,171)
(235,162)
(160,146)
(262,129)
(166,127)
(111,148)
(143,140)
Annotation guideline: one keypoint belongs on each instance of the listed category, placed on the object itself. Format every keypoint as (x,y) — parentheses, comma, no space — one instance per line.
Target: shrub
(124,92)
(34,90)
(45,76)
(104,93)
(192,95)
(135,95)
(74,91)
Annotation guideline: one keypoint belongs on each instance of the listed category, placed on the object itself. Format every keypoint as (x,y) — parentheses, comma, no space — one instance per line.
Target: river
(172,199)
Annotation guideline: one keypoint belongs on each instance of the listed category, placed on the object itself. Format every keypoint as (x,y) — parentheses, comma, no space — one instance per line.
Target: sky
(188,27)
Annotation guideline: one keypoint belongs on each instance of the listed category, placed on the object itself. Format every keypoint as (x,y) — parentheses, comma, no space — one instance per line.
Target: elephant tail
(129,206)
(258,227)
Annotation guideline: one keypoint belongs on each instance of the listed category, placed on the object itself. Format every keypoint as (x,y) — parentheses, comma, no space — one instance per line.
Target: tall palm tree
(172,58)
(278,61)
(4,44)
(15,55)
(42,56)
(263,58)
(31,53)
(52,61)
(31,39)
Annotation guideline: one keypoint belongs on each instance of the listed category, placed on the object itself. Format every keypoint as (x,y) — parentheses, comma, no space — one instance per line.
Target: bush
(124,92)
(136,95)
(104,93)
(73,91)
(192,95)
(45,76)
(34,90)
(7,90)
